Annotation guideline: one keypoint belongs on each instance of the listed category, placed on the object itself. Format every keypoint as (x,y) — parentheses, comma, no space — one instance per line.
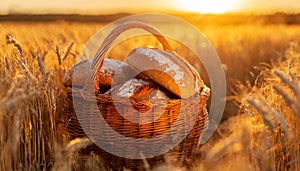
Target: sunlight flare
(212,6)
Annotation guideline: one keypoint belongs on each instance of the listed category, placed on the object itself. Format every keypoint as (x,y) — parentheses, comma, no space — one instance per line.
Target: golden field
(260,129)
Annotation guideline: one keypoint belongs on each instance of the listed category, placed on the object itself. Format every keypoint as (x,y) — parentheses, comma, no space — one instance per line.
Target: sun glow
(209,6)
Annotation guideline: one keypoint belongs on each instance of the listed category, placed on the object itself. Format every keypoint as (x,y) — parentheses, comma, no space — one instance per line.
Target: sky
(113,6)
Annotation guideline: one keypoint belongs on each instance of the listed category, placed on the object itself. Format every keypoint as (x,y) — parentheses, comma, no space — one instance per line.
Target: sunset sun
(212,6)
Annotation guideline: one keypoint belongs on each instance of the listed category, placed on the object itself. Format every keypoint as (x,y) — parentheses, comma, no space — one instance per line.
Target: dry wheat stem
(68,51)
(288,99)
(260,108)
(294,87)
(58,55)
(11,40)
(265,109)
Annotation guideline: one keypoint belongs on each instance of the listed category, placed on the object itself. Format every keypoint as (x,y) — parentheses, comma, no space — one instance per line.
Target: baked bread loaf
(166,69)
(81,71)
(138,89)
(112,72)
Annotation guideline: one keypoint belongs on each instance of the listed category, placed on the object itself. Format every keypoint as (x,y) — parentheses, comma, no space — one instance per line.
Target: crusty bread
(139,89)
(166,69)
(136,88)
(81,71)
(114,72)
(111,72)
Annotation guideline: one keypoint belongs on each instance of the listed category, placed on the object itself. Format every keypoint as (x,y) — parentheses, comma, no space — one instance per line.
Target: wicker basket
(171,108)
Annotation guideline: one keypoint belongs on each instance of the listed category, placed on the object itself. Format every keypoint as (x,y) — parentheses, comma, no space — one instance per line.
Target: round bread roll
(166,69)
(111,72)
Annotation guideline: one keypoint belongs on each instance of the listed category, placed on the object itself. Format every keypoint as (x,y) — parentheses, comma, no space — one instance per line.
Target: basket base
(181,155)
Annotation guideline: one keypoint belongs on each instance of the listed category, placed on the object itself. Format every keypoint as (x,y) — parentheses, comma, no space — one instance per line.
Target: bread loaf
(111,72)
(134,88)
(141,90)
(166,69)
(114,72)
(81,71)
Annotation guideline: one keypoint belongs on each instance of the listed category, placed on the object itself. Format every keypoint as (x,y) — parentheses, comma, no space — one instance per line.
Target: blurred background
(133,6)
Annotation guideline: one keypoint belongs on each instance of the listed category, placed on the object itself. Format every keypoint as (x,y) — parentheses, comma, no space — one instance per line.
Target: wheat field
(261,125)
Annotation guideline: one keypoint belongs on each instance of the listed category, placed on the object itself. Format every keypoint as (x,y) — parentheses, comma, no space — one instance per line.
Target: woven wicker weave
(182,153)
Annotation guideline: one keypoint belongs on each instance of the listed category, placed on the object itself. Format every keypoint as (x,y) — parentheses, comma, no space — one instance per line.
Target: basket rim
(204,91)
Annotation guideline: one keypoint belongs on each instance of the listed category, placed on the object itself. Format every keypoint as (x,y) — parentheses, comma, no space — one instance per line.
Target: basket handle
(99,57)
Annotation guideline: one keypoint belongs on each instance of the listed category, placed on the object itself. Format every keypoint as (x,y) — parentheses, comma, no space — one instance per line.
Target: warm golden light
(209,6)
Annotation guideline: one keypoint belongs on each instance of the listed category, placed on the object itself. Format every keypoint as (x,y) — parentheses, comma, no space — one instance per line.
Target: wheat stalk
(11,40)
(58,55)
(294,86)
(265,110)
(68,51)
